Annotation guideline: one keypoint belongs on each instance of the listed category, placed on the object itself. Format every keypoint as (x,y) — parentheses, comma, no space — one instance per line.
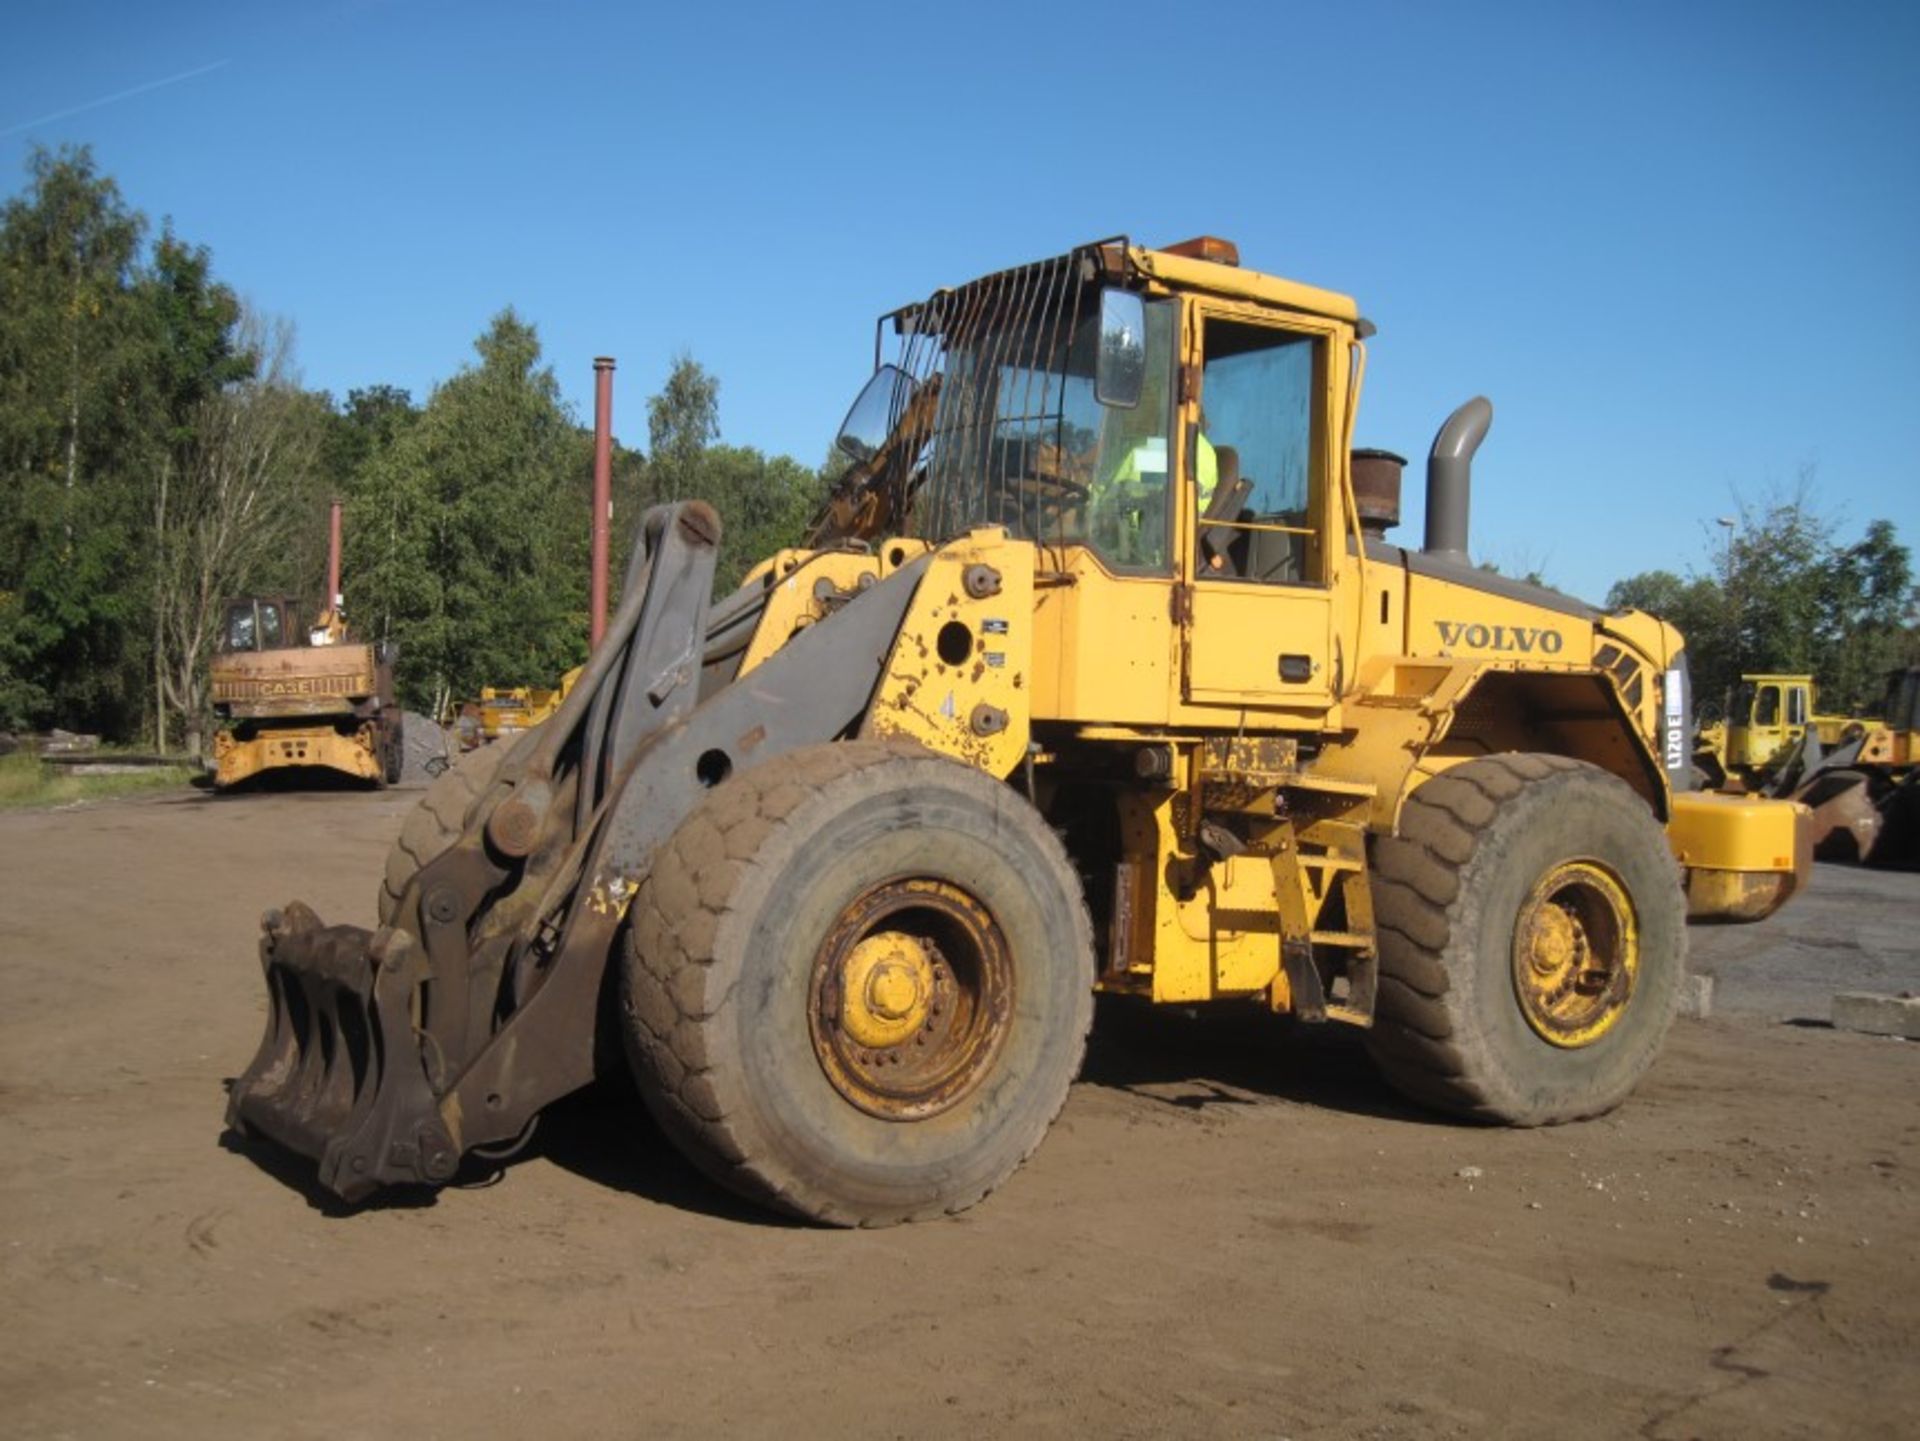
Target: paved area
(1852,930)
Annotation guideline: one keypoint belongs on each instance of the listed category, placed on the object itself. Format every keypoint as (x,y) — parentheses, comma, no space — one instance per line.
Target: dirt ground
(1235,1229)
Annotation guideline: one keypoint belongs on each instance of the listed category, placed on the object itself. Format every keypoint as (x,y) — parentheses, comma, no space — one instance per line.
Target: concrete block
(1878,1015)
(1696,997)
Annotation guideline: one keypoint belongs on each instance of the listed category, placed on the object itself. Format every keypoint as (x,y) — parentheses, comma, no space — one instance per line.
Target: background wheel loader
(1857,774)
(1098,673)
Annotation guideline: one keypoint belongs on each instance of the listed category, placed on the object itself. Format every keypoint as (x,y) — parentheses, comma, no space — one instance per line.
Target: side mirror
(1121,368)
(871,418)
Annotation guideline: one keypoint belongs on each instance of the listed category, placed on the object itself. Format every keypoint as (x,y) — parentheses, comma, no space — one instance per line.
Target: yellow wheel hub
(887,989)
(1576,954)
(911,998)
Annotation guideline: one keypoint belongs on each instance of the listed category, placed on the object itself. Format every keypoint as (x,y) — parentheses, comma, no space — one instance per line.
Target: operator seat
(1217,537)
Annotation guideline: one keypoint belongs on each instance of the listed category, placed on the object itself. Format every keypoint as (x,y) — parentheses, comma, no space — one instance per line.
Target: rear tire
(795,891)
(437,822)
(394,753)
(1502,867)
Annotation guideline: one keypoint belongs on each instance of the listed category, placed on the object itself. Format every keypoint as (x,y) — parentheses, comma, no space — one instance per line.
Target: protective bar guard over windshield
(993,418)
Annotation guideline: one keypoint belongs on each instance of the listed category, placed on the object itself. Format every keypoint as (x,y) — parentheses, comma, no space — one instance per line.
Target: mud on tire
(1451,891)
(746,907)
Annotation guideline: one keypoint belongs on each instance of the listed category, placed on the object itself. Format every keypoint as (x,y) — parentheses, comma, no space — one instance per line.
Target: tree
(242,495)
(1782,595)
(764,502)
(198,524)
(77,435)
(1871,625)
(682,421)
(467,537)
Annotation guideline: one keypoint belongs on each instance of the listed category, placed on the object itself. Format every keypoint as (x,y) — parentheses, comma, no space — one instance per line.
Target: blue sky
(1678,245)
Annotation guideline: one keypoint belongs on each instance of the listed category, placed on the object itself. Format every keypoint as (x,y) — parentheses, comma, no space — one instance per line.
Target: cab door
(1259,418)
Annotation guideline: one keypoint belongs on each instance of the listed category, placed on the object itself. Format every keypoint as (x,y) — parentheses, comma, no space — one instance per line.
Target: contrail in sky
(112,99)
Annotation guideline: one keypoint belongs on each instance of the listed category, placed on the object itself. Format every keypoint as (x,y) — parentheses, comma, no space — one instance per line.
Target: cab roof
(1187,271)
(1205,264)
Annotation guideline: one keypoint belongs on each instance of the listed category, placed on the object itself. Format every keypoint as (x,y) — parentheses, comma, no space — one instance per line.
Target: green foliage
(28,783)
(682,421)
(466,528)
(77,434)
(157,457)
(764,502)
(1782,595)
(1871,605)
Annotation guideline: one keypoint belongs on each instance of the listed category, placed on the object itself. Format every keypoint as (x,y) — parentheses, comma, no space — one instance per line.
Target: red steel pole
(602,494)
(333,557)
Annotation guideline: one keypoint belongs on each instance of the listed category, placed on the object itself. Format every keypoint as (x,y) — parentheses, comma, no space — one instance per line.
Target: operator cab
(1082,400)
(1768,713)
(260,623)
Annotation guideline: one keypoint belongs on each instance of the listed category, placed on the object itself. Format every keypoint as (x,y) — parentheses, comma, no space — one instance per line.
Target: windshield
(995,420)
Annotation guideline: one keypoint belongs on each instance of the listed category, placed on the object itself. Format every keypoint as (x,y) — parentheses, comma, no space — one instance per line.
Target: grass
(27,784)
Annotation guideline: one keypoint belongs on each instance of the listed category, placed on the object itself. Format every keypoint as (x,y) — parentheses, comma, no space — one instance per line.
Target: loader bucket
(389,1054)
(1899,847)
(339,1051)
(1846,822)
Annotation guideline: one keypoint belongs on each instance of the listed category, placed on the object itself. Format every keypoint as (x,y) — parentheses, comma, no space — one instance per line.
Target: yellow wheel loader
(1764,732)
(1861,779)
(1098,673)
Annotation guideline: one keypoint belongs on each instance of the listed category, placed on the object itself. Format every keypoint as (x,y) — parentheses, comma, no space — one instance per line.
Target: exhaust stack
(1450,478)
(333,557)
(602,496)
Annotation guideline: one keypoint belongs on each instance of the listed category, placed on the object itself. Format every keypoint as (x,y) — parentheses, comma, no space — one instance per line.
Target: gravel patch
(427,749)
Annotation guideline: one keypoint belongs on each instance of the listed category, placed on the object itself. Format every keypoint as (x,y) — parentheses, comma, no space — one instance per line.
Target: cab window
(1253,454)
(1766,711)
(1796,707)
(270,629)
(240,632)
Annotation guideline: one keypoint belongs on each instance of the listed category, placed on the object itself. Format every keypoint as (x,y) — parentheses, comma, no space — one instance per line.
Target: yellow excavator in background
(289,697)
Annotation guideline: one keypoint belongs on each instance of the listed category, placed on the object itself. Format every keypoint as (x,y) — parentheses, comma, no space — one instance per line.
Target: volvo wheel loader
(1098,673)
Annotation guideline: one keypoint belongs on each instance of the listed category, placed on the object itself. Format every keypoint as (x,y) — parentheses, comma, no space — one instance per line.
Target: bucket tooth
(338,1076)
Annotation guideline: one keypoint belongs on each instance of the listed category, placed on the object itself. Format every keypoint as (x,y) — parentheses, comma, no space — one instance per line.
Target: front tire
(858,982)
(436,822)
(1532,937)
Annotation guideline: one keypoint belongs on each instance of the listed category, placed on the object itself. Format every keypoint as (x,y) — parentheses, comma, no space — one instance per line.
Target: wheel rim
(911,998)
(1576,954)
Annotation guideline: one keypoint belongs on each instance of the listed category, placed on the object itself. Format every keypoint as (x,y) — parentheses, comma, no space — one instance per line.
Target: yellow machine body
(1310,709)
(354,753)
(503,712)
(1771,715)
(325,704)
(1098,667)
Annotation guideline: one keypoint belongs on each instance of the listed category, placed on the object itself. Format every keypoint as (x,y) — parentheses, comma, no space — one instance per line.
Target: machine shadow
(1186,1057)
(299,1175)
(1229,1053)
(602,1134)
(605,1135)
